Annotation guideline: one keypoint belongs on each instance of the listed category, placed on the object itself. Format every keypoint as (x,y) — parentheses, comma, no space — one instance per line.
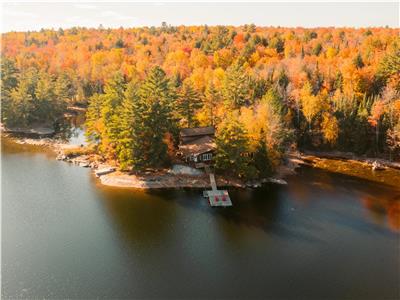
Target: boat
(377,166)
(104,171)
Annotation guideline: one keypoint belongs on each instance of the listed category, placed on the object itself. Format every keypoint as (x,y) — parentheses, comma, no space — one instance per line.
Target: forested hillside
(265,89)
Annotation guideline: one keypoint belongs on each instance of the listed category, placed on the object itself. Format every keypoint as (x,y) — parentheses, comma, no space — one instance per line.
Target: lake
(324,235)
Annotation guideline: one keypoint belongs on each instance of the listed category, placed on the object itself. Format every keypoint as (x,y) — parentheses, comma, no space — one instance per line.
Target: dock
(216,197)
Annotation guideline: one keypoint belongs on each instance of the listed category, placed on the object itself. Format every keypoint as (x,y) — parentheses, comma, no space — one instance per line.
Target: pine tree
(188,103)
(9,81)
(211,99)
(358,61)
(47,109)
(103,117)
(261,159)
(153,119)
(94,123)
(124,148)
(232,145)
(110,113)
(63,88)
(23,109)
(236,87)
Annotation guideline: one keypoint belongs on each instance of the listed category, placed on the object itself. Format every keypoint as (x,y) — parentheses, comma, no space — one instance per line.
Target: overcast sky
(34,16)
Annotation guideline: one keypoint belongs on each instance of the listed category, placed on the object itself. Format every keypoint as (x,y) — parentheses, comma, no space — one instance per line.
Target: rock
(185,170)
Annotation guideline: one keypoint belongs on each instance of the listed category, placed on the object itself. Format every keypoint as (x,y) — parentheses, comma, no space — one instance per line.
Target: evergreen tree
(44,99)
(275,100)
(23,108)
(261,159)
(153,119)
(232,146)
(111,113)
(358,61)
(94,123)
(188,103)
(211,99)
(125,143)
(236,87)
(9,81)
(63,88)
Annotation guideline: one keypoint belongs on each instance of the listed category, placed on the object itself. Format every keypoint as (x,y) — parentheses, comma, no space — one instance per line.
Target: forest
(267,90)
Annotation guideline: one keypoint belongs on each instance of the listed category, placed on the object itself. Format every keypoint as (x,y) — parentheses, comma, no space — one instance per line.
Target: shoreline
(153,179)
(166,178)
(349,156)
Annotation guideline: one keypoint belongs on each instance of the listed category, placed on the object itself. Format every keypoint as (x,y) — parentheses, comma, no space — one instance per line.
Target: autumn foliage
(323,88)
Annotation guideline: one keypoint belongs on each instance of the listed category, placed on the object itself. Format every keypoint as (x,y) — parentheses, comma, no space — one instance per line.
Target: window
(207,156)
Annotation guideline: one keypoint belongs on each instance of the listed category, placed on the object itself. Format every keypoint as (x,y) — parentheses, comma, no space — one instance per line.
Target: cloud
(18,13)
(85,6)
(115,15)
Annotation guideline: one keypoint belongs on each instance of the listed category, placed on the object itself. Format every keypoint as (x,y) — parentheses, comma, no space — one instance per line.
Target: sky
(19,16)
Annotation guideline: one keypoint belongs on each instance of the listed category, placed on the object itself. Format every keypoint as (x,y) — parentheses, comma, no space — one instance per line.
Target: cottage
(197,145)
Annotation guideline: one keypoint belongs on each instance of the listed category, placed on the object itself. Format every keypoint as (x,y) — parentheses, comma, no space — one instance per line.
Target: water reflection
(72,129)
(131,210)
(382,209)
(67,236)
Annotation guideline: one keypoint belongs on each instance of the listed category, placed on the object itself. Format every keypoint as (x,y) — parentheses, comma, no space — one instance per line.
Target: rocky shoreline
(166,178)
(149,179)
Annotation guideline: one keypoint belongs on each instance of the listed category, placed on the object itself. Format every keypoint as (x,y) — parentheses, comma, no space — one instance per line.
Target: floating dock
(217,197)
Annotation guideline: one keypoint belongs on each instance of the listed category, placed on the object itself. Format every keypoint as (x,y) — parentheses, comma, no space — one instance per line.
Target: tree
(236,87)
(45,99)
(9,81)
(311,104)
(63,88)
(94,123)
(358,61)
(22,111)
(153,120)
(261,158)
(330,128)
(188,103)
(232,146)
(125,145)
(393,139)
(211,99)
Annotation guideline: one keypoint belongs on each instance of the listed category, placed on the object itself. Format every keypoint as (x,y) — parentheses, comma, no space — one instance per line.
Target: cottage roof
(187,132)
(198,146)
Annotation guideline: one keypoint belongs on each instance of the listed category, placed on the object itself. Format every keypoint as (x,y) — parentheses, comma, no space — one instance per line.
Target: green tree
(45,106)
(358,61)
(261,160)
(236,91)
(9,81)
(232,145)
(126,136)
(188,103)
(211,99)
(153,119)
(94,123)
(22,109)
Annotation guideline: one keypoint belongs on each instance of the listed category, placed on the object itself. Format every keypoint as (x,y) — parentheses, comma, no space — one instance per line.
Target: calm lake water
(324,235)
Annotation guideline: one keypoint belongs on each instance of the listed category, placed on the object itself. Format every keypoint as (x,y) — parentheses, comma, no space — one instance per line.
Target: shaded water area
(324,235)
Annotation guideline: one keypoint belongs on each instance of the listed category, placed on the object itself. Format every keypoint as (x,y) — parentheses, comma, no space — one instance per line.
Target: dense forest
(266,90)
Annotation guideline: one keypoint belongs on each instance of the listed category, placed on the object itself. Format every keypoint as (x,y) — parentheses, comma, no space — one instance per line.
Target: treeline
(265,89)
(32,97)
